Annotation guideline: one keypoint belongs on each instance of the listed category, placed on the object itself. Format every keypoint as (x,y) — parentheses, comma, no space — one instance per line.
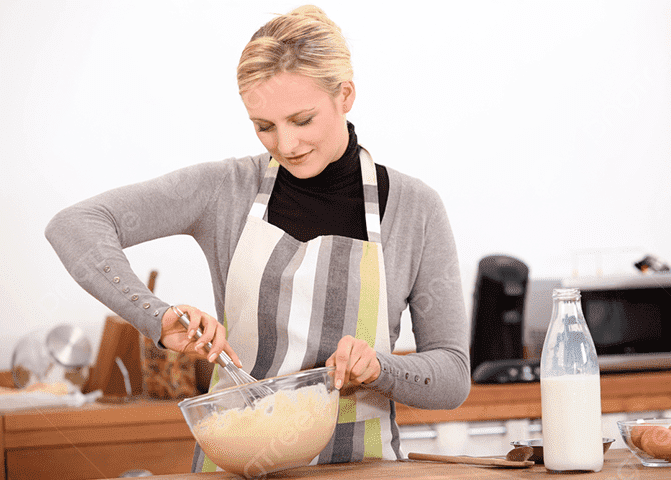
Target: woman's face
(303,127)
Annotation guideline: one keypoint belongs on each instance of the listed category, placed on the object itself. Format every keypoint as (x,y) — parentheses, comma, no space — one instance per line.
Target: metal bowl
(537,445)
(69,346)
(63,353)
(284,429)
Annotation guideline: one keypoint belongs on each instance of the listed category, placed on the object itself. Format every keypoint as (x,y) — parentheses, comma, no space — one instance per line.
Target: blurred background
(545,127)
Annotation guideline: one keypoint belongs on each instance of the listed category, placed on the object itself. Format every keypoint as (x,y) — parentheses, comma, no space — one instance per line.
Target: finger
(358,370)
(342,359)
(196,322)
(218,343)
(364,363)
(193,314)
(233,356)
(209,327)
(362,367)
(369,374)
(358,358)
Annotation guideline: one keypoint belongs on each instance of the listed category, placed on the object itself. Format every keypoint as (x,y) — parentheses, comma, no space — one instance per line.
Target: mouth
(298,158)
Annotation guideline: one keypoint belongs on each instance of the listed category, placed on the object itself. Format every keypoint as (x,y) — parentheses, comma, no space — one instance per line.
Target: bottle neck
(568,346)
(566,304)
(566,294)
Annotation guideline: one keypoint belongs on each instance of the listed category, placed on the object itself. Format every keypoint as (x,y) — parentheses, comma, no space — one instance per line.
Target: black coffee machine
(497,322)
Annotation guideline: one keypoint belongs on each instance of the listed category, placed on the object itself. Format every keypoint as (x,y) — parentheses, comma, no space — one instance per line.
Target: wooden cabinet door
(99,461)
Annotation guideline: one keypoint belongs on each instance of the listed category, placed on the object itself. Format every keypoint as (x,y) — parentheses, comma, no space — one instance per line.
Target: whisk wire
(239,376)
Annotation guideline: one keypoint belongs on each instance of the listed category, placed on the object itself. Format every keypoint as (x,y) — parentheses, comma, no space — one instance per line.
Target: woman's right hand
(175,337)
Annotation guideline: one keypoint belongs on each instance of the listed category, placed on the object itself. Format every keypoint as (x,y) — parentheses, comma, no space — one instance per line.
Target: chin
(306,169)
(303,172)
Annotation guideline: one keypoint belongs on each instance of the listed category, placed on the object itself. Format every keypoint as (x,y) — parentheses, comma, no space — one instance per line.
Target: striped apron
(288,303)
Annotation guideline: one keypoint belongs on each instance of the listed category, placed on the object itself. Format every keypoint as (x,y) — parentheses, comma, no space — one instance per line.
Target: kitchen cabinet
(495,437)
(95,441)
(495,415)
(468,438)
(633,392)
(104,440)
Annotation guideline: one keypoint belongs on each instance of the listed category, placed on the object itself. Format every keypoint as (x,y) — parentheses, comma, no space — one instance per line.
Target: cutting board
(119,339)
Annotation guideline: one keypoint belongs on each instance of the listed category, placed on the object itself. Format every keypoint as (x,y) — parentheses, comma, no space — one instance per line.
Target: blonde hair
(304,41)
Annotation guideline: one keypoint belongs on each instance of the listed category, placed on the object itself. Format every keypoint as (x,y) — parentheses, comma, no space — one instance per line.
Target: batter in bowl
(283,430)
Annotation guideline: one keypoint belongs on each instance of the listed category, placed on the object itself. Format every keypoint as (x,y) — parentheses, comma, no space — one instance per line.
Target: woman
(314,250)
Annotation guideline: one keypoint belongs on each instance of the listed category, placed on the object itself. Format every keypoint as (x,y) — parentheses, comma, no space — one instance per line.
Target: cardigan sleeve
(424,255)
(89,237)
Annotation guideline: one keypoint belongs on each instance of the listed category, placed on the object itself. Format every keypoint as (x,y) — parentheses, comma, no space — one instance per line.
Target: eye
(305,122)
(262,128)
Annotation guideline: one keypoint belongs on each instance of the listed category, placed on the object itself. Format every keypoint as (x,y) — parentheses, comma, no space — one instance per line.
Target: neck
(345,137)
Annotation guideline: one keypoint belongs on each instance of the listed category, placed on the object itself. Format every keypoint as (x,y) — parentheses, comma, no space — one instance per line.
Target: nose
(287,141)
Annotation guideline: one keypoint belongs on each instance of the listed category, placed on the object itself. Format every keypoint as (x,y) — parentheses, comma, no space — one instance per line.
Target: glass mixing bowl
(649,440)
(284,429)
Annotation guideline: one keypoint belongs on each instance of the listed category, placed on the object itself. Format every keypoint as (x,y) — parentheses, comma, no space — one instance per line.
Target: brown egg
(656,441)
(636,434)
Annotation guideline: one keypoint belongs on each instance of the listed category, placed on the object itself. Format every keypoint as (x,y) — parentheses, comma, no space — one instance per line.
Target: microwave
(629,318)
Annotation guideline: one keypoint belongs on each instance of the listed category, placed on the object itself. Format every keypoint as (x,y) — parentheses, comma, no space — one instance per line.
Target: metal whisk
(239,376)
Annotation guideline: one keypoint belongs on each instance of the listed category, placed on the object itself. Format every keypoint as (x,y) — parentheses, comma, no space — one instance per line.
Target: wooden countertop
(66,425)
(617,464)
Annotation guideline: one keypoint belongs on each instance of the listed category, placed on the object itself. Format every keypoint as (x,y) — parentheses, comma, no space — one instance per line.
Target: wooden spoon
(520,454)
(509,462)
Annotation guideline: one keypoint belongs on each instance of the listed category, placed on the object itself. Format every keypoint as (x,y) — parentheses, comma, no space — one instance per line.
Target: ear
(347,96)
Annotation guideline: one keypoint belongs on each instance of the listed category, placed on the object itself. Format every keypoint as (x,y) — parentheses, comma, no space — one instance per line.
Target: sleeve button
(156,313)
(145,306)
(134,297)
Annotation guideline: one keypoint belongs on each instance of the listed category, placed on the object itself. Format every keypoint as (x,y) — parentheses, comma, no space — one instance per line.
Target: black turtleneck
(330,203)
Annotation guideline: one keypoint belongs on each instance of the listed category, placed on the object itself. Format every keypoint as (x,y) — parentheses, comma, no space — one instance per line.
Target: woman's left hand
(355,361)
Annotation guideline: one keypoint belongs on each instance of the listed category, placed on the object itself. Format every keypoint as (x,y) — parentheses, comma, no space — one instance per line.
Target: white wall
(544,125)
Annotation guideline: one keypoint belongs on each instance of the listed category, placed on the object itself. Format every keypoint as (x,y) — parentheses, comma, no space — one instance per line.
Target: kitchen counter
(617,464)
(103,440)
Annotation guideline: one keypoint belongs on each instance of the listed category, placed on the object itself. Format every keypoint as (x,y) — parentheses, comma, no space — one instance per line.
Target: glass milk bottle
(570,389)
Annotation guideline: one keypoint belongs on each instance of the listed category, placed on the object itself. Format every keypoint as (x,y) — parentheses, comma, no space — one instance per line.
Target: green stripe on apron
(347,412)
(369,302)
(373,439)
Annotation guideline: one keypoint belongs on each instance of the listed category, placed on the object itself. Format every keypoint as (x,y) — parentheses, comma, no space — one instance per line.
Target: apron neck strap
(370,196)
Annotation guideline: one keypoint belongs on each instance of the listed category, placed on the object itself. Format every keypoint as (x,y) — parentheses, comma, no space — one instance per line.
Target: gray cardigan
(210,202)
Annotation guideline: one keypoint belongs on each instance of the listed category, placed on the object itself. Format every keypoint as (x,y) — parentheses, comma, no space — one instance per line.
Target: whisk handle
(222,359)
